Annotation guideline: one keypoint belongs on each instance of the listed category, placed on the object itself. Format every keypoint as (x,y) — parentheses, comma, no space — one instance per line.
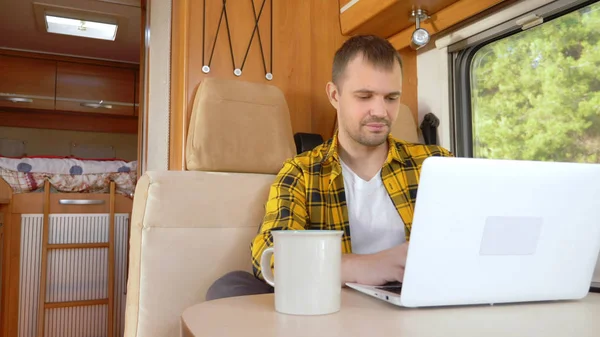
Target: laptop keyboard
(393,287)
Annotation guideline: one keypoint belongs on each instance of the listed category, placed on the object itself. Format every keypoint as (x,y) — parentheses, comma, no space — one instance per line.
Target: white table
(361,315)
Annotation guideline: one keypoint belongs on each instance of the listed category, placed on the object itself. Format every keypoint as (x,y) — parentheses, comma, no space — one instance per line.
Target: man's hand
(375,269)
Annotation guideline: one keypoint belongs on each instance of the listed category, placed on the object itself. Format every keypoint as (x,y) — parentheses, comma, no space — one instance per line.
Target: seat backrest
(404,128)
(239,126)
(191,227)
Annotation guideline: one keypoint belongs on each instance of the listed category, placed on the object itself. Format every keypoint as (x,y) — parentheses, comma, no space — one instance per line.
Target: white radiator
(73,274)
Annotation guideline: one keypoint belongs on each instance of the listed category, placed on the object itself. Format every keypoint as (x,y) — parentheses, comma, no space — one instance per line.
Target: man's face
(367,101)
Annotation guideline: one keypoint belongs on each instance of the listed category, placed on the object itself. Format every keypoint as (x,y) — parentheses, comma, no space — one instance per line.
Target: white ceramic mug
(307,266)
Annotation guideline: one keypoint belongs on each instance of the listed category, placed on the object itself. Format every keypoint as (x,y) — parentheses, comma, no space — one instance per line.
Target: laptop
(500,231)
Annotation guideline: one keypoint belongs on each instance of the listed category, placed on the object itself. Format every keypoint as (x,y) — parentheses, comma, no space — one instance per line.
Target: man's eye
(393,98)
(364,97)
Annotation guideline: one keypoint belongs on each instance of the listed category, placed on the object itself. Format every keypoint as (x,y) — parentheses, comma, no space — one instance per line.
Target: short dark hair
(375,50)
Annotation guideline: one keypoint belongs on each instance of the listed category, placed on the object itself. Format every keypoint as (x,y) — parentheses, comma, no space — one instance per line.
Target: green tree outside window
(536,95)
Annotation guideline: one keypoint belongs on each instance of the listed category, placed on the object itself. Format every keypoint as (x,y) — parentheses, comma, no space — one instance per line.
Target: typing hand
(376,269)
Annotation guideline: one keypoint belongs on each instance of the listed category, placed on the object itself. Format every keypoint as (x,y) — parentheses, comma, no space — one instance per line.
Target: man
(362,181)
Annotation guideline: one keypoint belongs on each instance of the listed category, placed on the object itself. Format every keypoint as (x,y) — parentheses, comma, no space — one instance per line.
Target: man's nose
(379,108)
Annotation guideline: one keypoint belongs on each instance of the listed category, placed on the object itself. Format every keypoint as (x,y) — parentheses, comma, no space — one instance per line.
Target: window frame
(460,56)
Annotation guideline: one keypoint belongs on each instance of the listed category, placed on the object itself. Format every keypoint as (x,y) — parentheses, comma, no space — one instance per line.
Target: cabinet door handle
(97,105)
(16,99)
(80,202)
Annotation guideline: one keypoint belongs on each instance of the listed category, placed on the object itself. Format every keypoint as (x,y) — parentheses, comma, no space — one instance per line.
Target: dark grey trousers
(237,283)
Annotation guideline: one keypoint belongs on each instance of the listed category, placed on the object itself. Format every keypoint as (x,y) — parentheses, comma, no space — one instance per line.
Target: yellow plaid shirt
(308,192)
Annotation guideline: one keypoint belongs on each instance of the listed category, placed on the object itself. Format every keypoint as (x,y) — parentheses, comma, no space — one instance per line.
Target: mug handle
(265,265)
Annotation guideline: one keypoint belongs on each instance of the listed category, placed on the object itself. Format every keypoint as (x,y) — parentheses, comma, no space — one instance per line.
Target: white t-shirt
(375,224)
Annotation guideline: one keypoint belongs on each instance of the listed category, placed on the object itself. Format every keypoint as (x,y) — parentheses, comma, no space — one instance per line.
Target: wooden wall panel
(325,16)
(410,81)
(291,48)
(306,35)
(302,56)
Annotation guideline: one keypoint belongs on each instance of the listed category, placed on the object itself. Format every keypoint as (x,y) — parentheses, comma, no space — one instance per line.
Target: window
(533,94)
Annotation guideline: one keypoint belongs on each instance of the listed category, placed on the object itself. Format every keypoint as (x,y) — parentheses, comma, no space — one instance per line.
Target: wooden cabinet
(27,82)
(2,282)
(95,88)
(137,94)
(67,86)
(67,93)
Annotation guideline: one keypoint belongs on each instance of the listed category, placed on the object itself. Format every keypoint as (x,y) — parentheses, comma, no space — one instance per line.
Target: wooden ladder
(43,305)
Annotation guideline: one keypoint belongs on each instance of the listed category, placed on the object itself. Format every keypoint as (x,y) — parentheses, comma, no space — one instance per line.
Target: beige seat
(405,127)
(188,228)
(191,227)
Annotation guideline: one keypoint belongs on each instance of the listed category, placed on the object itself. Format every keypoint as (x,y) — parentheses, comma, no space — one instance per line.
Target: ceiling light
(420,37)
(83,28)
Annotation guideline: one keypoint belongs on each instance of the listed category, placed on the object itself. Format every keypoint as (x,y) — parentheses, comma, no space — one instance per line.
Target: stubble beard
(370,139)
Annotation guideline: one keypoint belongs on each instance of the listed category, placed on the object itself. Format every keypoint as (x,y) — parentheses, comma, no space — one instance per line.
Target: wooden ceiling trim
(444,19)
(67,58)
(86,122)
(132,3)
(361,12)
(344,3)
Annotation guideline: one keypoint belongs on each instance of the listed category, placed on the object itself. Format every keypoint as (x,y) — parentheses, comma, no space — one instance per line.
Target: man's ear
(333,94)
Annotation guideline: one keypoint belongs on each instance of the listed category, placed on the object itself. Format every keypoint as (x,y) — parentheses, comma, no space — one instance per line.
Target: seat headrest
(404,128)
(239,126)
